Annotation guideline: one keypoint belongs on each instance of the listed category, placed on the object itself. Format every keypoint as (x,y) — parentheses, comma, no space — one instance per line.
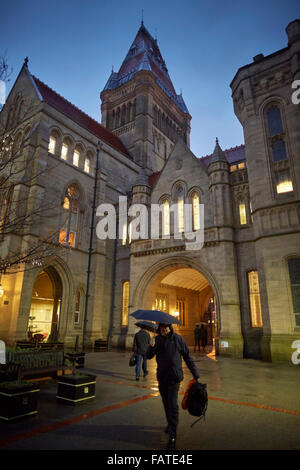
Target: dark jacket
(141,342)
(197,332)
(168,351)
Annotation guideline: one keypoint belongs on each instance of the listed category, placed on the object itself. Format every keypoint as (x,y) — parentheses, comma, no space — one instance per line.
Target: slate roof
(144,54)
(233,155)
(64,106)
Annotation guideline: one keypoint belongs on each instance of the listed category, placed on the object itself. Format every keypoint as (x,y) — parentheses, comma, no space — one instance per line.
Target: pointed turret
(218,154)
(140,104)
(219,187)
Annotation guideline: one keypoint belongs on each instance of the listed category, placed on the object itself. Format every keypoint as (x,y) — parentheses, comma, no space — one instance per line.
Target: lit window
(283,182)
(76,158)
(125,303)
(64,151)
(241,166)
(254,295)
(196,212)
(67,234)
(66,204)
(77,309)
(87,165)
(52,145)
(180,205)
(242,212)
(62,238)
(166,218)
(233,168)
(129,232)
(294,271)
(124,234)
(162,303)
(180,308)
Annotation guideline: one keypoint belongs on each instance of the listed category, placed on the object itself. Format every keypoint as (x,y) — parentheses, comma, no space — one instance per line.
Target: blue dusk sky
(72,46)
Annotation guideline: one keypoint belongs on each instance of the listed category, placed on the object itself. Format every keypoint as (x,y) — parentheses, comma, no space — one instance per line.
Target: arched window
(166,217)
(180,209)
(17,144)
(52,145)
(77,312)
(5,203)
(67,234)
(196,211)
(294,272)
(125,303)
(278,149)
(64,150)
(10,116)
(76,155)
(274,121)
(87,165)
(242,213)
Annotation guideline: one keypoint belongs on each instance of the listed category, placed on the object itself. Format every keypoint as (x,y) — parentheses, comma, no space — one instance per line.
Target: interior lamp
(1,291)
(176,314)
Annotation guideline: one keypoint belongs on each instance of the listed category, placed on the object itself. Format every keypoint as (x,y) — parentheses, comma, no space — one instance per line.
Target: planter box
(78,358)
(76,389)
(18,400)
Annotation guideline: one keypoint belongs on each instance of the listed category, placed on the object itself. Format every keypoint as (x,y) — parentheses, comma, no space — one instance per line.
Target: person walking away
(203,337)
(168,347)
(197,337)
(140,345)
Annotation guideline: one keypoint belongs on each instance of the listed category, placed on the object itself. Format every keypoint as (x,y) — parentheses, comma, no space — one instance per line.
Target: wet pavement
(252,406)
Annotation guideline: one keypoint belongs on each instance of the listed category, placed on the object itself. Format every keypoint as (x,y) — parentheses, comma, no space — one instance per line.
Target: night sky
(72,46)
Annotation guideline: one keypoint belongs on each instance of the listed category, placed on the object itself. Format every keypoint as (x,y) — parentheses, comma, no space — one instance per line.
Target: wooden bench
(38,363)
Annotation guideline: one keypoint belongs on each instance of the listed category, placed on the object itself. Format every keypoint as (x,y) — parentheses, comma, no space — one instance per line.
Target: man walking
(168,348)
(140,345)
(197,337)
(203,337)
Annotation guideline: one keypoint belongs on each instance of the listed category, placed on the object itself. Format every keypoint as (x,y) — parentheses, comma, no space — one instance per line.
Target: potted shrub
(18,399)
(76,388)
(77,358)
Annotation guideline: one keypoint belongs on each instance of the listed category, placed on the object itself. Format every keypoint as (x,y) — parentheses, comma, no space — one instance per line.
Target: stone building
(243,284)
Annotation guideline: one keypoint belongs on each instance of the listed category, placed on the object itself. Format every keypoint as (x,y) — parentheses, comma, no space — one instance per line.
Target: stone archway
(45,306)
(180,285)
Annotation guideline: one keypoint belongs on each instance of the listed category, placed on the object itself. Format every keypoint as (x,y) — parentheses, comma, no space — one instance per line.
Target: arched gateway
(181,287)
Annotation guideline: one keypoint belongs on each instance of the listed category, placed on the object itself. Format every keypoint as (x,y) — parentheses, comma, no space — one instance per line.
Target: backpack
(197,400)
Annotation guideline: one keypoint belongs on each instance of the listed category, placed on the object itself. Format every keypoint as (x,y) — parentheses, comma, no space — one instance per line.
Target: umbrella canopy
(147,325)
(155,315)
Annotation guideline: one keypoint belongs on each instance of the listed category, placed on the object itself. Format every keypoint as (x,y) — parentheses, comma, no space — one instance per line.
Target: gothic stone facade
(248,268)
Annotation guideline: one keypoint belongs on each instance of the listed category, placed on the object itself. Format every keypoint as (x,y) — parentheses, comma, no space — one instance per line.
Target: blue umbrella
(147,325)
(155,315)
